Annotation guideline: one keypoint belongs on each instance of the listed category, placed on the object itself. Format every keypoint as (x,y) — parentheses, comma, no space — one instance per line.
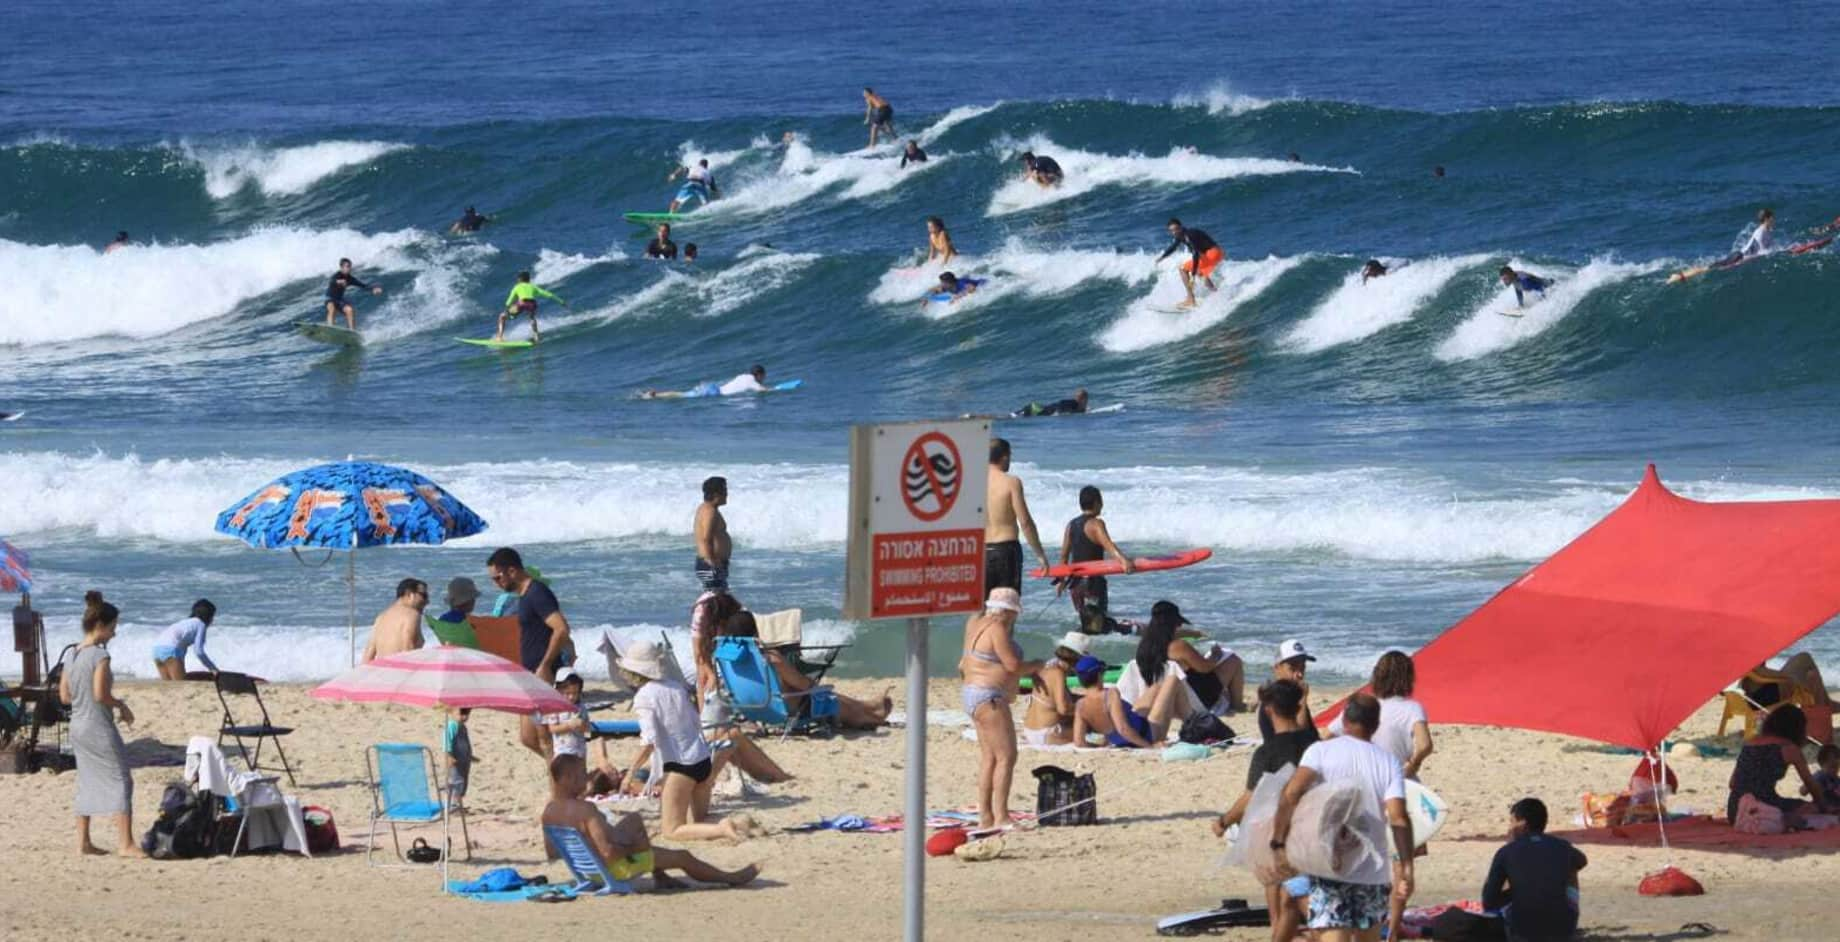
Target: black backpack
(1056,789)
(186,827)
(1205,727)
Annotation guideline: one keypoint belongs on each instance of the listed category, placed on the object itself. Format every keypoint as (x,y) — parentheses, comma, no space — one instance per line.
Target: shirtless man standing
(712,543)
(1006,519)
(623,847)
(399,627)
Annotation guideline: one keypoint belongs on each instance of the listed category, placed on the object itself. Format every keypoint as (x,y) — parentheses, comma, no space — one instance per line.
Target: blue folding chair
(591,872)
(754,691)
(402,781)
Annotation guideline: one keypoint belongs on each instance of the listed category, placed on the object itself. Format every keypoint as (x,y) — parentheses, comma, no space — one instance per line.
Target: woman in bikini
(992,667)
(1048,721)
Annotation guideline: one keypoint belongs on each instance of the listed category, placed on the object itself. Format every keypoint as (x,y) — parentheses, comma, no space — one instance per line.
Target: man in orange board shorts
(1204,255)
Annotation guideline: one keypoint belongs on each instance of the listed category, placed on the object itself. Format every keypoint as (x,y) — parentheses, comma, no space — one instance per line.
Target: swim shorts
(1003,565)
(693,188)
(698,773)
(1338,905)
(163,652)
(525,308)
(1209,260)
(884,116)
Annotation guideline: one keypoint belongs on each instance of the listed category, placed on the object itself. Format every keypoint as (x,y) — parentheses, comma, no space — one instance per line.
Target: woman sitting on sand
(87,686)
(1763,761)
(1214,676)
(851,712)
(1048,720)
(680,761)
(992,667)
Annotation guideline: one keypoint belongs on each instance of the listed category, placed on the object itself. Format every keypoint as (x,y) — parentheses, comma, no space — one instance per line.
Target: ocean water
(1368,462)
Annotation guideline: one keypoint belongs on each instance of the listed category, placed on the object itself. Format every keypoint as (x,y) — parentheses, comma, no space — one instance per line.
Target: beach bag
(1464,926)
(1648,772)
(1670,882)
(1757,817)
(1205,727)
(186,828)
(322,833)
(420,852)
(1057,788)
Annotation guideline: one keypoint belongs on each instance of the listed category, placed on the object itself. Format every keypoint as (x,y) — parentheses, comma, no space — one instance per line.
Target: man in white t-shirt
(1354,909)
(753,381)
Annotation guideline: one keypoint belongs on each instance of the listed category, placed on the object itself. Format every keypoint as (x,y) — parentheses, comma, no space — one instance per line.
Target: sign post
(917,494)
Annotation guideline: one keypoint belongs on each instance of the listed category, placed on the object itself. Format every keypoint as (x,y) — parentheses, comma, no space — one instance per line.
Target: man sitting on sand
(399,627)
(623,846)
(1533,880)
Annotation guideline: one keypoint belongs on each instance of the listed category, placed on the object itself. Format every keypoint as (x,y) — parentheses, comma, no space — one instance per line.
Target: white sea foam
(279,171)
(71,292)
(1154,320)
(706,292)
(1220,98)
(1086,171)
(1487,330)
(553,266)
(1356,310)
(1017,268)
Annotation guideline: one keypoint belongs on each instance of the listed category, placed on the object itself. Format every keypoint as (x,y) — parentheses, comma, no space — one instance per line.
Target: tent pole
(351,605)
(1667,853)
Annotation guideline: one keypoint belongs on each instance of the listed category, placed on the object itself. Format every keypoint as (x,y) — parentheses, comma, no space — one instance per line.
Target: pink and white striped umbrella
(446,676)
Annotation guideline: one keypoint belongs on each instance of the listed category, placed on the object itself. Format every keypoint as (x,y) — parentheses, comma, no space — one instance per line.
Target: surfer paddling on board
(1043,170)
(335,294)
(662,246)
(952,289)
(1074,406)
(1761,241)
(1007,522)
(1523,282)
(522,302)
(878,114)
(1373,269)
(469,222)
(699,184)
(1204,256)
(1087,540)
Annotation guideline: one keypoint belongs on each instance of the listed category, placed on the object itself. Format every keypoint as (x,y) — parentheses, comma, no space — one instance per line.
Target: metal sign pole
(913,829)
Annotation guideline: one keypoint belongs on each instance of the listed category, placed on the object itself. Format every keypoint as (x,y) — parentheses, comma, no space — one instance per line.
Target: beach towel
(779,628)
(1700,832)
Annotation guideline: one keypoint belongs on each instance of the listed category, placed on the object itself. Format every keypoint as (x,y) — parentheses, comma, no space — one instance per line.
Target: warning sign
(916,519)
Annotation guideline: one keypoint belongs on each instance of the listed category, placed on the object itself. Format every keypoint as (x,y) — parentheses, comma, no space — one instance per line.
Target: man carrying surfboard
(699,184)
(1279,705)
(1087,540)
(1523,282)
(522,302)
(335,294)
(1007,522)
(878,114)
(1204,256)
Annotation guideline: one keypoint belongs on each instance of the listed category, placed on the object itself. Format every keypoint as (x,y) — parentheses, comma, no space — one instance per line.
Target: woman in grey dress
(88,686)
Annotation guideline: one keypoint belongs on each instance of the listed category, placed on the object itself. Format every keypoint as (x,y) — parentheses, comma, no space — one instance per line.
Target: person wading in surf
(1087,540)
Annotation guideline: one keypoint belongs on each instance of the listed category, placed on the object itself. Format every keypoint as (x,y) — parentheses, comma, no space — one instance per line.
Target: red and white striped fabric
(446,677)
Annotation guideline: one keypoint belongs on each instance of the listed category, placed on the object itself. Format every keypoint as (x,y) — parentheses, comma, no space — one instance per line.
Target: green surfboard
(498,344)
(326,333)
(653,219)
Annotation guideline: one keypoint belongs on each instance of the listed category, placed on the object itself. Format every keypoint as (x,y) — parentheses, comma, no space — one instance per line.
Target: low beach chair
(402,778)
(592,875)
(231,684)
(755,695)
(783,631)
(459,634)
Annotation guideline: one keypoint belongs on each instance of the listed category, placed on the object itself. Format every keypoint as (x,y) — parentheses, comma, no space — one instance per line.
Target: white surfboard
(1428,812)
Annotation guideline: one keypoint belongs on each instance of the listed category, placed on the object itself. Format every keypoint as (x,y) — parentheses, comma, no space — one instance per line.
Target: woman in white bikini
(992,667)
(1048,721)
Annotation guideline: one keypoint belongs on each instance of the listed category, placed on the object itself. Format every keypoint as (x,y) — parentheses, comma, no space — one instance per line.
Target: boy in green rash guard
(522,301)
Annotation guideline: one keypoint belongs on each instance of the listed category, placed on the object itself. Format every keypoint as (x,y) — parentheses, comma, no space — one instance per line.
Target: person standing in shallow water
(87,686)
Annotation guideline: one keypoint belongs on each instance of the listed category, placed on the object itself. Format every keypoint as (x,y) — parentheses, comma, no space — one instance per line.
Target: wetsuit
(1045,169)
(1063,407)
(335,289)
(470,222)
(912,155)
(523,298)
(1524,282)
(661,248)
(1088,593)
(1204,252)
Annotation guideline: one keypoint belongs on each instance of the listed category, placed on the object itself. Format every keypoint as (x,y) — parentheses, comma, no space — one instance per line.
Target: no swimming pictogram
(932,474)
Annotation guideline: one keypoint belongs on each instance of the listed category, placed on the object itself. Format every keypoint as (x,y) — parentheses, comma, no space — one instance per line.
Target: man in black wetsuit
(1204,256)
(335,294)
(469,221)
(1533,880)
(661,247)
(1043,170)
(912,155)
(1087,540)
(1074,406)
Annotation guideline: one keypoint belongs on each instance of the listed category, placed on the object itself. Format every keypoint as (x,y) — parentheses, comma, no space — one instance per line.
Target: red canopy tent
(1634,625)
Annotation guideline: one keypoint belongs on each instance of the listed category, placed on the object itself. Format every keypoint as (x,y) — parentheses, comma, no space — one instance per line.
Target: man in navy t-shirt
(543,632)
(1534,879)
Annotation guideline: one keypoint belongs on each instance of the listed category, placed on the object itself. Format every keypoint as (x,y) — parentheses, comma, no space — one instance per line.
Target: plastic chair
(591,872)
(231,684)
(754,691)
(402,792)
(1739,704)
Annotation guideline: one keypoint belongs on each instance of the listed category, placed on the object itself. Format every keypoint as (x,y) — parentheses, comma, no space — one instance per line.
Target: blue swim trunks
(693,188)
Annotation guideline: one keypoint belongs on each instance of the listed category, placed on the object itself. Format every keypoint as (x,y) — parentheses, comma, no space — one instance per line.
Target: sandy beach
(1152,855)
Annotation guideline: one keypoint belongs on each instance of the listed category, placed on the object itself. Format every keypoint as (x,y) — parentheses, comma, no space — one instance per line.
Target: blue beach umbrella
(348,505)
(15,569)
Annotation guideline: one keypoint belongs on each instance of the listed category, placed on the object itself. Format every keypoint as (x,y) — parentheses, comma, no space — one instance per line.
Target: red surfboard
(1811,245)
(1111,567)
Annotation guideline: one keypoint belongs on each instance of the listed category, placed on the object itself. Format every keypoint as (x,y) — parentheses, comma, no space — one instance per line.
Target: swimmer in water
(1204,256)
(689,252)
(699,184)
(662,246)
(469,222)
(938,242)
(1373,269)
(1523,282)
(121,242)
(912,155)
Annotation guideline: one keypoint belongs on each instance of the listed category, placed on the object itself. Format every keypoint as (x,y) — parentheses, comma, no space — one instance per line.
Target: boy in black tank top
(1087,540)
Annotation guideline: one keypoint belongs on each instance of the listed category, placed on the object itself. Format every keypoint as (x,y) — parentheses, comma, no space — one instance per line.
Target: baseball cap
(1089,669)
(1076,641)
(1168,609)
(567,674)
(1292,648)
(1004,598)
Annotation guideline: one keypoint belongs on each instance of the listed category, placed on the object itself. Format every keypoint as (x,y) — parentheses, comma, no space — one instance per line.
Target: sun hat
(1079,642)
(644,658)
(461,591)
(1004,599)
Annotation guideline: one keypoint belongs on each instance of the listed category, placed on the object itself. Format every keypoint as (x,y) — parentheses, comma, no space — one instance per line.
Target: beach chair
(755,695)
(783,631)
(402,781)
(231,684)
(592,875)
(459,634)
(1739,705)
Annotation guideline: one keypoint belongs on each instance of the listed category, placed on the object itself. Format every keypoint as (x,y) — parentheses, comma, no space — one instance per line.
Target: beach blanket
(894,823)
(1700,832)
